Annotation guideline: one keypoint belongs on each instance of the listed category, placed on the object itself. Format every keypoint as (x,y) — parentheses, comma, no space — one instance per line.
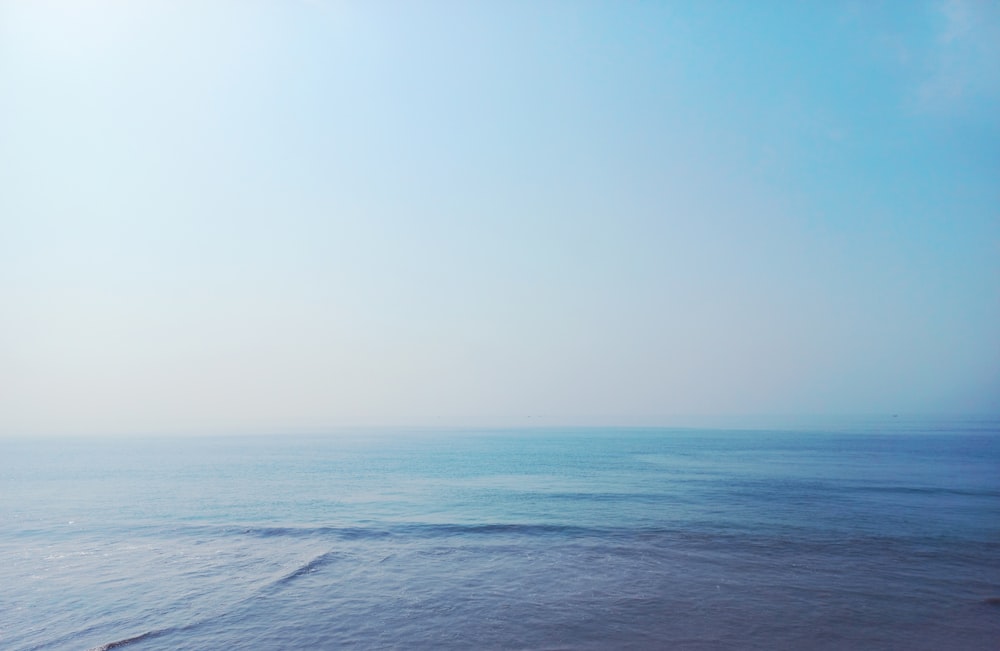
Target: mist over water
(506,539)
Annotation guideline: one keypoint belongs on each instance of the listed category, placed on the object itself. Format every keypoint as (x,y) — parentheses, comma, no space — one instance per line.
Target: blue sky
(234,216)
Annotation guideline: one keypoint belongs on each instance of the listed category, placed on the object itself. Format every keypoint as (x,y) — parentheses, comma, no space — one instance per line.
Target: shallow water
(874,537)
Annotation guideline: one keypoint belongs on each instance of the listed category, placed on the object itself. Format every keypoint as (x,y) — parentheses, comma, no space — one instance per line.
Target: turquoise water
(872,537)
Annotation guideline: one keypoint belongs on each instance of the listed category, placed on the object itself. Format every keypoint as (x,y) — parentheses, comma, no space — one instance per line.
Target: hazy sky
(265,214)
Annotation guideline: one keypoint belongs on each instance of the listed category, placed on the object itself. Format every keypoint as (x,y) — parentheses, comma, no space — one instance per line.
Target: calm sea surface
(877,537)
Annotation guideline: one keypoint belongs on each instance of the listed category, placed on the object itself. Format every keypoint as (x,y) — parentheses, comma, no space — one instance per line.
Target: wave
(117,644)
(281,581)
(345,533)
(632,498)
(925,490)
(308,567)
(705,532)
(500,528)
(421,530)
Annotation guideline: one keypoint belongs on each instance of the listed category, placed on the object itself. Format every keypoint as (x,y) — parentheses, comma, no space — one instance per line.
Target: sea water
(880,537)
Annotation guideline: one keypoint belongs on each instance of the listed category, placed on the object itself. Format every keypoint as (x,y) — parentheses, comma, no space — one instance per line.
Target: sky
(267,215)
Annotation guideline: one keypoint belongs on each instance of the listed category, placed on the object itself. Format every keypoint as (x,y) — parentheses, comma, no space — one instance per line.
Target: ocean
(877,536)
